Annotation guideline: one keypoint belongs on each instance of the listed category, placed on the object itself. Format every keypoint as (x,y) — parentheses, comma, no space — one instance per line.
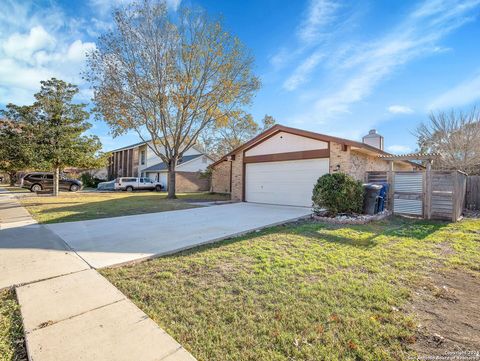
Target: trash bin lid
(372,186)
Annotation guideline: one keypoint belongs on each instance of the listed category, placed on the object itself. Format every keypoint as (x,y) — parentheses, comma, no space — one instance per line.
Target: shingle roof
(144,143)
(162,166)
(128,147)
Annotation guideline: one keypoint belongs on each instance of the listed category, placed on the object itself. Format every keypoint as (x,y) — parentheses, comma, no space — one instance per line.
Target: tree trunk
(12,178)
(171,179)
(56,179)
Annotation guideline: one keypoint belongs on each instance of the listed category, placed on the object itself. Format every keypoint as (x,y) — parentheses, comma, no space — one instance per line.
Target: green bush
(338,193)
(90,181)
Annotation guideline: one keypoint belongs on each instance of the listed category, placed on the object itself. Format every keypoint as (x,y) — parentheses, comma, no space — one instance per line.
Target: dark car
(39,181)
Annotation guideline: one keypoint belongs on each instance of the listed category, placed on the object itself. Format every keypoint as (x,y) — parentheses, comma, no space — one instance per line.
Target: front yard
(69,207)
(308,291)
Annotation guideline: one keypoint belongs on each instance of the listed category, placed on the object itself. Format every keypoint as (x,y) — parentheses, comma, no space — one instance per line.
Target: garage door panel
(286,182)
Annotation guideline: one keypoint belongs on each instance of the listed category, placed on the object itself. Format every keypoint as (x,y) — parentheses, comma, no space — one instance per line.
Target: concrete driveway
(111,241)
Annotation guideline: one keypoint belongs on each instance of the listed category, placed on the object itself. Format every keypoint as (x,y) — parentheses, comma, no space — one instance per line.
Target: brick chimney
(374,139)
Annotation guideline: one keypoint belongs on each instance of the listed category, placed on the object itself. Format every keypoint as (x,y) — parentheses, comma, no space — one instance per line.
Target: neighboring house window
(142,157)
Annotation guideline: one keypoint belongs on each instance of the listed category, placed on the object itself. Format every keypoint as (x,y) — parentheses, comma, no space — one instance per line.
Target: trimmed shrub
(338,193)
(89,180)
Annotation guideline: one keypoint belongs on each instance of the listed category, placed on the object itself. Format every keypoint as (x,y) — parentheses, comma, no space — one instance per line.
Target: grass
(70,207)
(12,346)
(300,292)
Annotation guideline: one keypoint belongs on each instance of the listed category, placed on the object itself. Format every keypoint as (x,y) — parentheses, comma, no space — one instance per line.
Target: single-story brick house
(282,164)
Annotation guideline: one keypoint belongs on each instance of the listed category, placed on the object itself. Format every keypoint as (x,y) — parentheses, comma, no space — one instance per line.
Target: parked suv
(39,181)
(131,183)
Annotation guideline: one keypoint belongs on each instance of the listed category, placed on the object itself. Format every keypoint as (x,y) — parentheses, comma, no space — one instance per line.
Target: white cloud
(467,92)
(312,30)
(37,44)
(319,14)
(400,109)
(22,46)
(302,72)
(399,149)
(366,65)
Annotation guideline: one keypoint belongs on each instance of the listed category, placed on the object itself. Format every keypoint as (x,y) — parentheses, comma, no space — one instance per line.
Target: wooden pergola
(411,157)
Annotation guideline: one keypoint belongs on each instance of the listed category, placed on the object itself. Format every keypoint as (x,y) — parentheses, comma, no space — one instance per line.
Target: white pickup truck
(131,183)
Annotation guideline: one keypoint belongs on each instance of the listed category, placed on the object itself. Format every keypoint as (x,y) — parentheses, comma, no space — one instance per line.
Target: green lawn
(301,292)
(70,207)
(12,346)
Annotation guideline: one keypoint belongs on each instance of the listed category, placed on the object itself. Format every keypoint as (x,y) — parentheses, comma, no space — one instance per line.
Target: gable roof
(304,133)
(162,166)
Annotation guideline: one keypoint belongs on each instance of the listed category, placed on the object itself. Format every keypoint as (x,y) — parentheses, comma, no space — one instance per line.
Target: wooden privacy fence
(472,201)
(427,194)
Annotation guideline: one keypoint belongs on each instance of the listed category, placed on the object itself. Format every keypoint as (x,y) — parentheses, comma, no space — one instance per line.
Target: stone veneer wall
(221,178)
(356,163)
(339,156)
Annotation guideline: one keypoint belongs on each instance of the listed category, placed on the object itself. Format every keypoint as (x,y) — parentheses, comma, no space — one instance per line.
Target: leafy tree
(58,126)
(456,136)
(16,151)
(267,122)
(167,79)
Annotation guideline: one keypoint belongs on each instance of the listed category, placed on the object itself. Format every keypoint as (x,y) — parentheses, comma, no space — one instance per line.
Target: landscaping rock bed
(352,218)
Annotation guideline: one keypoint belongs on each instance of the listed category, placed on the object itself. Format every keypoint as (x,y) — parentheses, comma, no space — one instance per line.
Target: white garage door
(286,182)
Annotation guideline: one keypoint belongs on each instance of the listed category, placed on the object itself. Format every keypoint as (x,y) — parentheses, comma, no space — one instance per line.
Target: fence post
(428,190)
(454,197)
(390,181)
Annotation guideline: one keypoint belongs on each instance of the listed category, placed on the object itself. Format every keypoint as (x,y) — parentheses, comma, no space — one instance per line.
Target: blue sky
(335,67)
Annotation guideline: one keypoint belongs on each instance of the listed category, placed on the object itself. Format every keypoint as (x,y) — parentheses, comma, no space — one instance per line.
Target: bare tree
(456,136)
(167,80)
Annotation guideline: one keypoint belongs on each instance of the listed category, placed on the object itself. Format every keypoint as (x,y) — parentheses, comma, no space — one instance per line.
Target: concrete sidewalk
(69,311)
(12,214)
(30,252)
(82,316)
(33,253)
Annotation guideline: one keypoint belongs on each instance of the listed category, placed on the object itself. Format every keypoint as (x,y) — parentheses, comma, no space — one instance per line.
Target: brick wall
(191,182)
(237,177)
(221,178)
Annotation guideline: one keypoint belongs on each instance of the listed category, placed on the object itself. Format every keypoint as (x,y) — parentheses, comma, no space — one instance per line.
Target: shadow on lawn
(366,235)
(110,207)
(359,236)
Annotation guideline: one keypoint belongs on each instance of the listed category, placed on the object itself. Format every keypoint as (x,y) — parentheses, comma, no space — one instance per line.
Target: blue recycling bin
(382,197)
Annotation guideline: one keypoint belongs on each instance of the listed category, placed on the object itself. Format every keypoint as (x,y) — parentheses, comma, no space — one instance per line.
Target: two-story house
(139,160)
